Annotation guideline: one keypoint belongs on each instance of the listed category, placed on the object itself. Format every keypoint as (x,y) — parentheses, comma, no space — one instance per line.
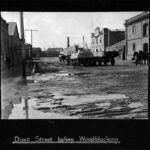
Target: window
(134,46)
(145,29)
(96,40)
(100,41)
(93,42)
(133,29)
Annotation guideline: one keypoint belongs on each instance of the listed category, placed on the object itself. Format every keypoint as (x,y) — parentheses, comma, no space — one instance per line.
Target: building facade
(102,39)
(4,43)
(137,34)
(14,44)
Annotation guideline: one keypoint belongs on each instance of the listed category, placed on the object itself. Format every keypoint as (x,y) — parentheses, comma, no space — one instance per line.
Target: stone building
(102,39)
(14,44)
(137,34)
(4,43)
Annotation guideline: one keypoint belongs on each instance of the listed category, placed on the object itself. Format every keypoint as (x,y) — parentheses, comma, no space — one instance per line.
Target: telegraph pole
(23,46)
(83,42)
(108,40)
(31,30)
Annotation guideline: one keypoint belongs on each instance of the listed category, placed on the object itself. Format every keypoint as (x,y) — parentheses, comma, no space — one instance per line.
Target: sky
(54,27)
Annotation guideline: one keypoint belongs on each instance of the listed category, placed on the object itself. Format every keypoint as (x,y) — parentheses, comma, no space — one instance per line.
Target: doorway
(145,47)
(123,56)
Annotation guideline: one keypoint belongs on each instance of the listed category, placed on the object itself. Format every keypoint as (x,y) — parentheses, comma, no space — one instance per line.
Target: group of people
(140,58)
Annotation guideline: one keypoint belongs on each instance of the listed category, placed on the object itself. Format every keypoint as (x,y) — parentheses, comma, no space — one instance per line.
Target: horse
(140,58)
(62,58)
(109,56)
(134,58)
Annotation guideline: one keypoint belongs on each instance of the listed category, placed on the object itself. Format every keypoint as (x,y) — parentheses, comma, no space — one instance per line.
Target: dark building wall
(4,43)
(15,48)
(116,36)
(53,52)
(11,50)
(105,37)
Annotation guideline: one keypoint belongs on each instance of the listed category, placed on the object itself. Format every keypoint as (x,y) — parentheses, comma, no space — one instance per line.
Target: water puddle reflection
(25,110)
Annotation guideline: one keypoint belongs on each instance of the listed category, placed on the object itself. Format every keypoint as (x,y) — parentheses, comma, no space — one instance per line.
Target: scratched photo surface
(74,65)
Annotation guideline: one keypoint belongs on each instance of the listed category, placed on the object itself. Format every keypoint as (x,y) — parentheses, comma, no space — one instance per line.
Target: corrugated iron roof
(11,28)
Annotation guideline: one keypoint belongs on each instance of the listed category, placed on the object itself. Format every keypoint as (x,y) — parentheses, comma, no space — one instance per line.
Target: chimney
(68,43)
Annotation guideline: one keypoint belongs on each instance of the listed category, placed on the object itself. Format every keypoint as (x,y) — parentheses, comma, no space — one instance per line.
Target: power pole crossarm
(31,30)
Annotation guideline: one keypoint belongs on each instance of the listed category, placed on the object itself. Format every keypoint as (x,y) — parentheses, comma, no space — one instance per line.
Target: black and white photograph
(74,65)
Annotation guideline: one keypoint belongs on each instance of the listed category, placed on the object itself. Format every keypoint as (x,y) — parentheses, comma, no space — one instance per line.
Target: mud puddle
(45,103)
(91,106)
(49,76)
(26,110)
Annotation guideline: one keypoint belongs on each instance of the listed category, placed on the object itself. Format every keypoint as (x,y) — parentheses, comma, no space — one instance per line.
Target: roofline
(137,18)
(16,29)
(4,20)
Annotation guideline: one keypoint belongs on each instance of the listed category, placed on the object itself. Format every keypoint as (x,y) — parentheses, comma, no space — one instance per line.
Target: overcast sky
(54,27)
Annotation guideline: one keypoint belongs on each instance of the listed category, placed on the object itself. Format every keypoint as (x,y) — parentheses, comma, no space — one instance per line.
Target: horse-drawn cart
(88,58)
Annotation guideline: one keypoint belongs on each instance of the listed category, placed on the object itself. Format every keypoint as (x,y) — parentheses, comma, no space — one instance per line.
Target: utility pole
(83,42)
(108,40)
(23,46)
(31,30)
(68,41)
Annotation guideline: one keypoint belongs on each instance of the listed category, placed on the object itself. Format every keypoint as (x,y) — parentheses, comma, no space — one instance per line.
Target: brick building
(14,44)
(102,39)
(4,43)
(137,34)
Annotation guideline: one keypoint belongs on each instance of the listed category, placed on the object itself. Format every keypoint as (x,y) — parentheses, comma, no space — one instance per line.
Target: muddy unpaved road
(58,91)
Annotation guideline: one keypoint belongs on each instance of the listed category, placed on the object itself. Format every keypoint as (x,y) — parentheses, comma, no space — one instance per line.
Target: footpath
(10,88)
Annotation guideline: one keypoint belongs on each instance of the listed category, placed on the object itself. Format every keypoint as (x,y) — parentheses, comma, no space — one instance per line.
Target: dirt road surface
(58,91)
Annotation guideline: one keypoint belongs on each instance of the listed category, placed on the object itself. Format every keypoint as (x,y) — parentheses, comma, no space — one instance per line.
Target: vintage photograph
(74,65)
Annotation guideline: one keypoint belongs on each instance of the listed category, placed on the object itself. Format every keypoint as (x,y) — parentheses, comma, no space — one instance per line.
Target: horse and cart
(89,58)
